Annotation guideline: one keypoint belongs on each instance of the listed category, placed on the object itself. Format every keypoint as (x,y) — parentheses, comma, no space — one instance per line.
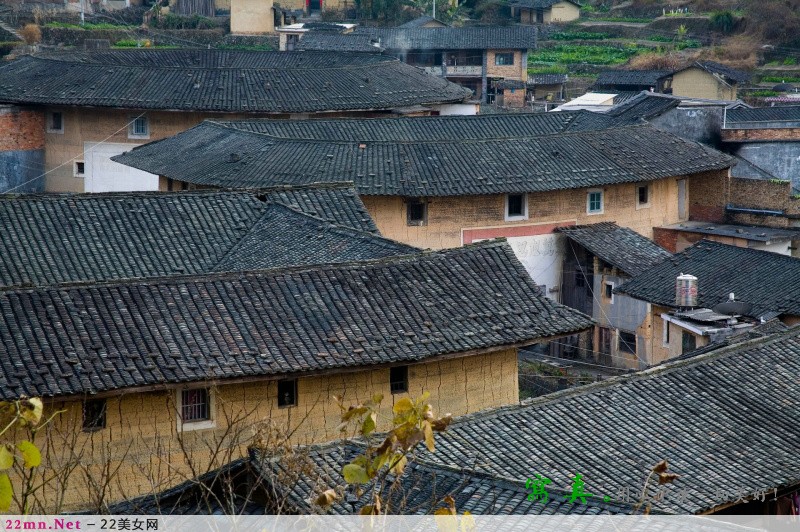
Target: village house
(677,237)
(442,182)
(765,281)
(709,80)
(545,11)
(547,88)
(634,81)
(599,258)
(676,412)
(81,108)
(164,376)
(489,60)
(51,239)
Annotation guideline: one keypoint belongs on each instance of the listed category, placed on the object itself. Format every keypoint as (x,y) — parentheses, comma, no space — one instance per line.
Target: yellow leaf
(326,498)
(6,493)
(369,424)
(440,424)
(31,410)
(426,427)
(367,509)
(377,398)
(6,458)
(403,407)
(400,466)
(355,474)
(30,453)
(443,511)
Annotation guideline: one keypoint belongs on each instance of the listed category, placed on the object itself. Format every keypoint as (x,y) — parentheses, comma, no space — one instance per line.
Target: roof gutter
(763,212)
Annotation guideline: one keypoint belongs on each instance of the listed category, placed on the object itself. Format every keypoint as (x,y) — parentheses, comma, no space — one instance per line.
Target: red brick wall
(666,238)
(515,99)
(760,194)
(788,133)
(21,129)
(709,193)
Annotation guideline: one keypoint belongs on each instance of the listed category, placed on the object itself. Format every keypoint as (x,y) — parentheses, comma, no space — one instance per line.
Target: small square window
(594,202)
(609,291)
(80,168)
(416,212)
(516,207)
(195,405)
(139,128)
(643,196)
(55,122)
(94,415)
(398,379)
(504,59)
(287,393)
(627,342)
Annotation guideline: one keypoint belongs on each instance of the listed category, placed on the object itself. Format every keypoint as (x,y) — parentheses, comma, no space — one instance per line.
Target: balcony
(455,71)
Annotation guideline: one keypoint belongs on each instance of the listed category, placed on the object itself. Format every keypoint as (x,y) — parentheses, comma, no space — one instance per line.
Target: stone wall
(21,149)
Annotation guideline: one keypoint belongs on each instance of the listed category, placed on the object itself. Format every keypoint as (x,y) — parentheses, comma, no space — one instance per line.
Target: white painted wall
(104,175)
(542,256)
(457,109)
(781,248)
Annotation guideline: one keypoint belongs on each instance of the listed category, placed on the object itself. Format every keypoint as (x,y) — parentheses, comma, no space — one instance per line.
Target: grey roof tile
(452,301)
(767,280)
(50,239)
(789,113)
(425,167)
(224,81)
(631,77)
(713,418)
(449,38)
(618,246)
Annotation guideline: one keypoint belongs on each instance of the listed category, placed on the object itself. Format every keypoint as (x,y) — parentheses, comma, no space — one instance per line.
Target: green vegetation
(780,79)
(594,55)
(660,38)
(763,93)
(89,26)
(143,43)
(790,61)
(547,69)
(171,21)
(722,21)
(578,36)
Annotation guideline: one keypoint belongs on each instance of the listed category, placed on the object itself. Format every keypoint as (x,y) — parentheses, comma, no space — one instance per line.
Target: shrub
(722,21)
(31,33)
(171,21)
(578,36)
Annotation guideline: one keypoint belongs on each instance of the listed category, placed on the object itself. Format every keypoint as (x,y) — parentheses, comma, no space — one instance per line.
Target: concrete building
(94,105)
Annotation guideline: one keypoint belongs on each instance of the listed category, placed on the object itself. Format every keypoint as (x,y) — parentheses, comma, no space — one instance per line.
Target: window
(608,290)
(627,342)
(139,128)
(94,415)
(195,405)
(55,122)
(642,196)
(688,342)
(80,168)
(605,340)
(516,207)
(594,202)
(287,393)
(665,333)
(504,59)
(398,379)
(416,212)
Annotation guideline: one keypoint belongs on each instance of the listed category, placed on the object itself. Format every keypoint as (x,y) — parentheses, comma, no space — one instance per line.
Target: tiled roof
(758,233)
(547,79)
(426,128)
(419,22)
(539,4)
(724,421)
(90,339)
(448,167)
(284,237)
(789,113)
(631,77)
(618,246)
(731,75)
(225,81)
(464,38)
(50,239)
(422,484)
(324,41)
(645,105)
(769,281)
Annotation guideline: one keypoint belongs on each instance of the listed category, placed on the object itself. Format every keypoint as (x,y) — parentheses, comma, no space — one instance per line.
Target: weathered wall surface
(252,17)
(781,159)
(562,12)
(709,193)
(700,124)
(141,448)
(697,83)
(21,149)
(518,70)
(777,132)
